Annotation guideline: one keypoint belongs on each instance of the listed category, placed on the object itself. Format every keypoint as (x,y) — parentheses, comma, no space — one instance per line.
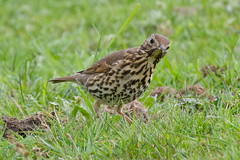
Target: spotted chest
(125,82)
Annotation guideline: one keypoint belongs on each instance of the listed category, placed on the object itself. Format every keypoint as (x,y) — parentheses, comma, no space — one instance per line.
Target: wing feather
(105,64)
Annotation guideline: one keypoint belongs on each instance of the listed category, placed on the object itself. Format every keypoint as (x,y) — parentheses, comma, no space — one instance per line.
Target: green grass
(40,40)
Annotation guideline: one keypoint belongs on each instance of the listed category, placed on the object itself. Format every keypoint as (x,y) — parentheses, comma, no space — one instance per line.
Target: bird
(122,76)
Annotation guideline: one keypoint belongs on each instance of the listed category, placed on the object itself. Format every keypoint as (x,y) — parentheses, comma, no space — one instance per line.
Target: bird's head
(155,45)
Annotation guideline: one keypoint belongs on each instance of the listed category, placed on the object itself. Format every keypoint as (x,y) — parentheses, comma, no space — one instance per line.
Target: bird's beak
(162,48)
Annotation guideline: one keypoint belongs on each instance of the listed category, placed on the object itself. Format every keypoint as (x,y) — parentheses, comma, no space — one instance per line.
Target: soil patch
(26,125)
(132,109)
(209,69)
(196,90)
(165,91)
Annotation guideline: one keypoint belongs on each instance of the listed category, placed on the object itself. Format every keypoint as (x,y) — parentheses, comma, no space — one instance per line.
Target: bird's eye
(151,40)
(167,48)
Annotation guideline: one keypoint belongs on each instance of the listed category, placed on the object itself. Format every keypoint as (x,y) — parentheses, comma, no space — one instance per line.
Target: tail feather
(64,79)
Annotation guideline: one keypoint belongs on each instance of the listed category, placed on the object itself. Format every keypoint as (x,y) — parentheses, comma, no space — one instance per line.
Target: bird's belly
(119,87)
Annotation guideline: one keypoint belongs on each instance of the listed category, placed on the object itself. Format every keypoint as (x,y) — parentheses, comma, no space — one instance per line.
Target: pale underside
(132,80)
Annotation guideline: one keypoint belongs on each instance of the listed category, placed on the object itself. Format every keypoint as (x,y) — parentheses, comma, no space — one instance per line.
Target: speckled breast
(122,84)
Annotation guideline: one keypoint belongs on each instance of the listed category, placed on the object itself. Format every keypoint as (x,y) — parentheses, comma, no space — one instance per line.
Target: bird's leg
(96,108)
(119,110)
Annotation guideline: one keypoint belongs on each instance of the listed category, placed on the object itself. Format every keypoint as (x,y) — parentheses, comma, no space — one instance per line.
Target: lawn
(40,40)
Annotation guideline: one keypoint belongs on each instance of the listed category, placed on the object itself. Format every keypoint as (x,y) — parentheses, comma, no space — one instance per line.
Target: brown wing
(105,64)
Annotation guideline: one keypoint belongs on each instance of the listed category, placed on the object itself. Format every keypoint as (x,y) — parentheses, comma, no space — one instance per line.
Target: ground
(45,39)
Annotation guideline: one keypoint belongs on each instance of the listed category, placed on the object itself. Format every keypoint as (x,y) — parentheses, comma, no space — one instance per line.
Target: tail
(64,79)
